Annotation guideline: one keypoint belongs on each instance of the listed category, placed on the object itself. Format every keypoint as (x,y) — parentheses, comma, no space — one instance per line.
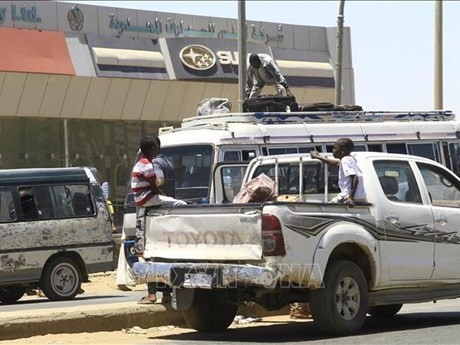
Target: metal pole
(241,53)
(66,144)
(338,63)
(438,82)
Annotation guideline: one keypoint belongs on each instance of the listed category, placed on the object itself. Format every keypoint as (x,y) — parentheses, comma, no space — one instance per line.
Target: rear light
(272,236)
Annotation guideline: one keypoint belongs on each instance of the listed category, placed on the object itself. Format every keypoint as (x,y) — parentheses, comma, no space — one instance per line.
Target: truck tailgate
(205,232)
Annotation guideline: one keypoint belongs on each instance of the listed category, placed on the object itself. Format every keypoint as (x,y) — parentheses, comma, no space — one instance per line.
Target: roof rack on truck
(323,116)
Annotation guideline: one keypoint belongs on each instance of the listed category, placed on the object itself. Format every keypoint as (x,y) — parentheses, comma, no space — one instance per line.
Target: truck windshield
(193,170)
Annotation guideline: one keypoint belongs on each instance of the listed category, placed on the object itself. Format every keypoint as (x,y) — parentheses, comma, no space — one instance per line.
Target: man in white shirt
(263,70)
(350,175)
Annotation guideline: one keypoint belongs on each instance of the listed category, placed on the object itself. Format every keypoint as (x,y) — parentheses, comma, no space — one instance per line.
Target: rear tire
(10,294)
(210,311)
(384,310)
(340,307)
(61,279)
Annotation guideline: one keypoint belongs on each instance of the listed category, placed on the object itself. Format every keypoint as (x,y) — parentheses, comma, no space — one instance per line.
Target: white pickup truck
(403,246)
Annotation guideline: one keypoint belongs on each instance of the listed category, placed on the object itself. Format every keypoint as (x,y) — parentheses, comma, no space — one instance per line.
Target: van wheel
(340,306)
(10,294)
(61,279)
(384,310)
(210,311)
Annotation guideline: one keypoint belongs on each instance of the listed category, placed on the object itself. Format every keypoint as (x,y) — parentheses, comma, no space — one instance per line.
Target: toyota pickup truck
(402,246)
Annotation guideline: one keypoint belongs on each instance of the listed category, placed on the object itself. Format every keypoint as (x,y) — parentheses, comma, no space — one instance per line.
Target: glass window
(239,155)
(7,207)
(375,147)
(281,150)
(55,202)
(397,181)
(454,154)
(427,150)
(193,169)
(359,148)
(443,188)
(232,178)
(28,203)
(397,148)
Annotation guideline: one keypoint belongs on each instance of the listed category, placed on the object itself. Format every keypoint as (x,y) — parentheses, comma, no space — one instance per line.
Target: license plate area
(196,278)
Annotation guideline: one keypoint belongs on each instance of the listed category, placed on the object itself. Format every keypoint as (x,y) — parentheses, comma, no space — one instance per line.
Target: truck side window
(397,181)
(443,189)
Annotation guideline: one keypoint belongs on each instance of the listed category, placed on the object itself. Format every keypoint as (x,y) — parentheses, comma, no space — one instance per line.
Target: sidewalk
(98,317)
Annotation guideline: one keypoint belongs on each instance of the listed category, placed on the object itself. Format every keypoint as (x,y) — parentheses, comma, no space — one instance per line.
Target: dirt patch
(104,282)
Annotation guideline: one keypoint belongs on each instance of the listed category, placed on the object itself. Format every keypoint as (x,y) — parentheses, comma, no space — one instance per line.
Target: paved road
(417,324)
(37,303)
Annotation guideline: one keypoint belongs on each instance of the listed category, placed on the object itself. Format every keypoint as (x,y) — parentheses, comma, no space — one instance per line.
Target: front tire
(61,279)
(10,294)
(210,311)
(384,310)
(340,307)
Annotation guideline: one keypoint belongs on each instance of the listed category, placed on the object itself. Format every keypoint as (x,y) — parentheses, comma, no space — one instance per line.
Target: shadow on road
(285,332)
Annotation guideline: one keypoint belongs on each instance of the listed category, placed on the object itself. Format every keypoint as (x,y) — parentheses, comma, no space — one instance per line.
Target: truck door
(406,222)
(226,181)
(443,190)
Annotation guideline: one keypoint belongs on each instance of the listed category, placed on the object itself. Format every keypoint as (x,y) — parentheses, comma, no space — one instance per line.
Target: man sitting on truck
(350,175)
(147,183)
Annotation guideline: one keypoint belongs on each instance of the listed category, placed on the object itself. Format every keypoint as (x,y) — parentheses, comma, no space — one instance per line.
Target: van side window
(72,201)
(28,205)
(7,207)
(427,150)
(55,202)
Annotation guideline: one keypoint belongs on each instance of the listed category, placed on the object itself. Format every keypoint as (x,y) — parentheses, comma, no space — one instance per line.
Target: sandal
(146,300)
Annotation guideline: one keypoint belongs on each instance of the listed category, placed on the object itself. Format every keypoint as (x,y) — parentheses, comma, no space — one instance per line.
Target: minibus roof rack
(320,116)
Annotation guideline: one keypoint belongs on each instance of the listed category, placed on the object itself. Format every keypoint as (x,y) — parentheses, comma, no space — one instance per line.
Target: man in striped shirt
(147,184)
(146,176)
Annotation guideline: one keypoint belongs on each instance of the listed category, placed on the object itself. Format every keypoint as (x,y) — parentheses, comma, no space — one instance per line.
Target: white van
(203,141)
(55,229)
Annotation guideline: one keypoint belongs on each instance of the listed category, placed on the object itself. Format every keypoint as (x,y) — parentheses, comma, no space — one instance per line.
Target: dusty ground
(103,282)
(135,335)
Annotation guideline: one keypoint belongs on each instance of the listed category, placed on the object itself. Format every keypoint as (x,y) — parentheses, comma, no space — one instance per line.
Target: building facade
(80,84)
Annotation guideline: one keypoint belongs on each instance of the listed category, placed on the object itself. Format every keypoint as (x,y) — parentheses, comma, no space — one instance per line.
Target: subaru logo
(197,57)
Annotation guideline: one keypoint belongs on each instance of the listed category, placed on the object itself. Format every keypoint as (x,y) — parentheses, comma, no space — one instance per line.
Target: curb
(111,319)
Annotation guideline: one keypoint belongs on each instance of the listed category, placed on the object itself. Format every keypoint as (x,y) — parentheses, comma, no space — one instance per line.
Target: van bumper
(205,276)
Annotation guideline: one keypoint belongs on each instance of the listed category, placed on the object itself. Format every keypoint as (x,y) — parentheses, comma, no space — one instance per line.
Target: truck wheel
(210,311)
(384,310)
(10,294)
(61,279)
(340,306)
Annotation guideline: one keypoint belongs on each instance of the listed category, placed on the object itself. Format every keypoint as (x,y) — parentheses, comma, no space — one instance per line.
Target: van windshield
(193,169)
